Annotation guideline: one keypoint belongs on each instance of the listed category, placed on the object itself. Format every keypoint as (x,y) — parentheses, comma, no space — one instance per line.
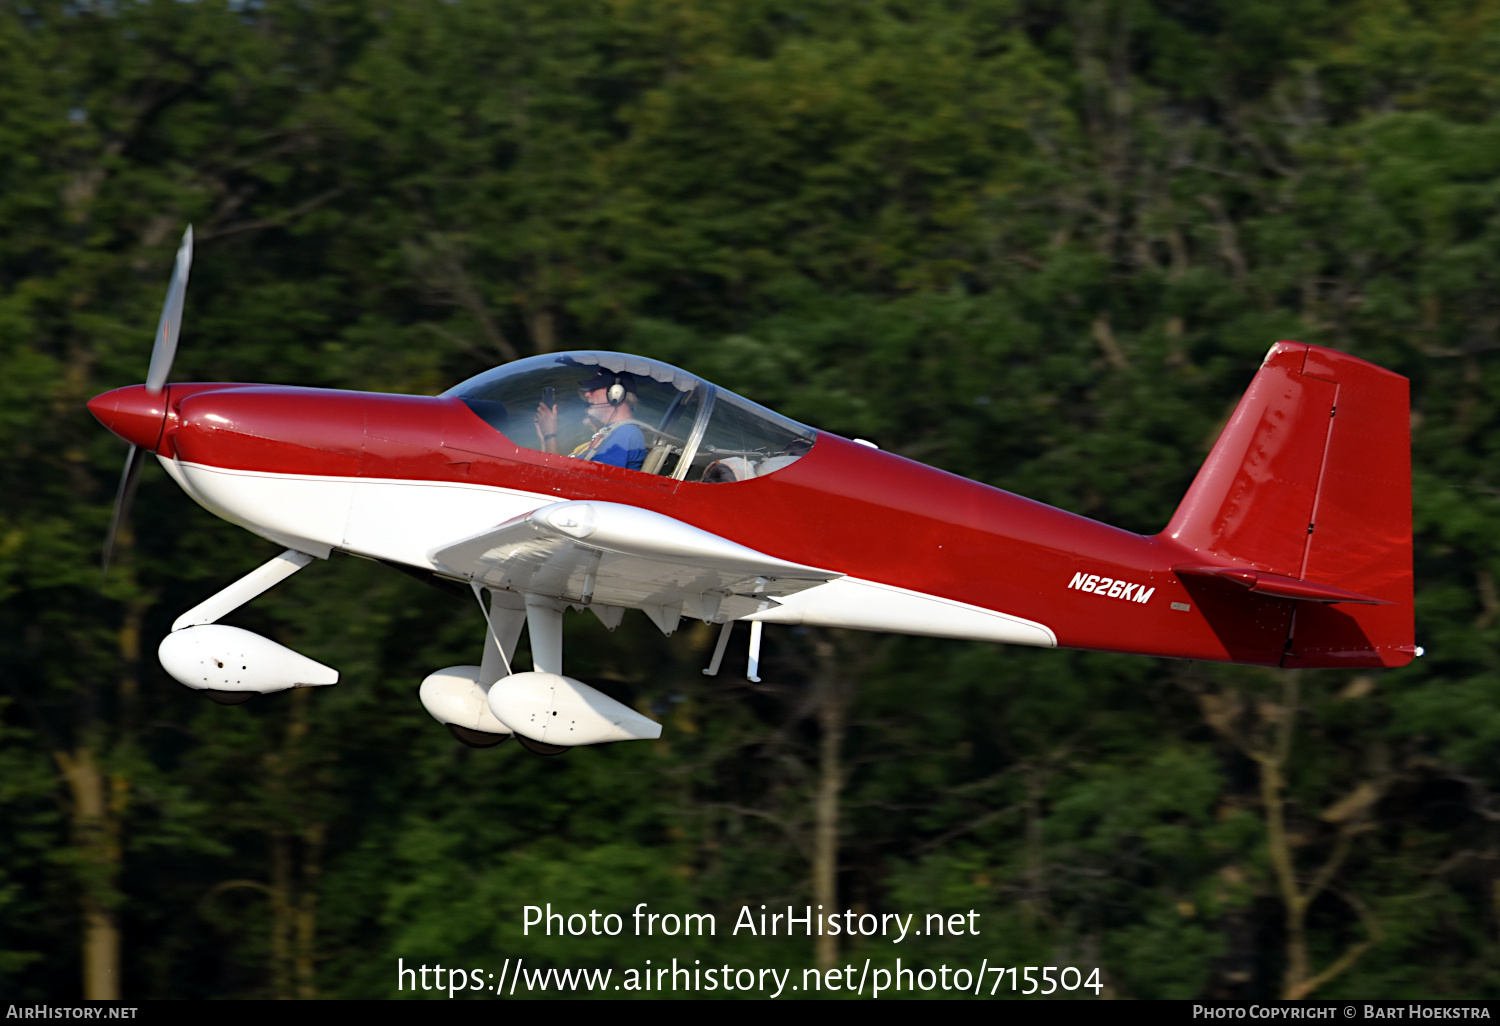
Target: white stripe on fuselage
(872,606)
(403,520)
(386,518)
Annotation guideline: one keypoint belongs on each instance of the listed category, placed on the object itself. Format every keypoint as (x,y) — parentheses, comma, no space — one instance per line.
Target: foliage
(1039,244)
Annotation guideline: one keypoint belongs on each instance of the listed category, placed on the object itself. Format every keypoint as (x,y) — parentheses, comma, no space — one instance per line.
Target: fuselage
(393,477)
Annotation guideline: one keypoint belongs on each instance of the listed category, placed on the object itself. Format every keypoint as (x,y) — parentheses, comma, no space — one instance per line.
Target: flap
(617,555)
(1277,585)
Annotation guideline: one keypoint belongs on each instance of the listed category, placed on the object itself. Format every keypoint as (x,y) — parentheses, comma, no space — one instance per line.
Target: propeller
(163,351)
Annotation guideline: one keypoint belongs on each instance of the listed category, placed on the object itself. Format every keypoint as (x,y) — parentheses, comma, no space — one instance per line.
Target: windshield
(634,413)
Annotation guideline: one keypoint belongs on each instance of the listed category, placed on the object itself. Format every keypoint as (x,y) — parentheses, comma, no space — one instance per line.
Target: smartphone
(549,396)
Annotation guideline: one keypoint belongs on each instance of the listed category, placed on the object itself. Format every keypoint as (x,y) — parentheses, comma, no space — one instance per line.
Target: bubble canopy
(634,412)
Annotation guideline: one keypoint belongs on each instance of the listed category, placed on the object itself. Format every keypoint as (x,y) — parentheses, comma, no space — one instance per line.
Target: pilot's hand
(546,426)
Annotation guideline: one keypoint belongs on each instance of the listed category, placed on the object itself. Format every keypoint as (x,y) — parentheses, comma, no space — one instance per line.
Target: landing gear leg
(719,647)
(461,692)
(507,615)
(260,579)
(752,671)
(544,621)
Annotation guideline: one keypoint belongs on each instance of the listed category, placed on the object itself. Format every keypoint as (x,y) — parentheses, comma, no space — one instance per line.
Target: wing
(614,556)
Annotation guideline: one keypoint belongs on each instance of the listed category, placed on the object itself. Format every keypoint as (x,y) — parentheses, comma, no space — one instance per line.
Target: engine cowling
(218,659)
(558,710)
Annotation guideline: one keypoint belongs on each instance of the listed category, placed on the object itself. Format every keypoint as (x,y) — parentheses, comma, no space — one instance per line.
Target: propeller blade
(123,498)
(170,325)
(162,352)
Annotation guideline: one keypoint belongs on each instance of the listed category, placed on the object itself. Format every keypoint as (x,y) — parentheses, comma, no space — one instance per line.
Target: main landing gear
(482,706)
(545,711)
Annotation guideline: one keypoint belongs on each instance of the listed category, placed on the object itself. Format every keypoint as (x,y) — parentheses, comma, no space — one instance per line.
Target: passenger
(611,400)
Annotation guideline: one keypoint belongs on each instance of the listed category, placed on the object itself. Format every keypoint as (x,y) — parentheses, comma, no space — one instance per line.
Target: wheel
(541,747)
(229,697)
(476,738)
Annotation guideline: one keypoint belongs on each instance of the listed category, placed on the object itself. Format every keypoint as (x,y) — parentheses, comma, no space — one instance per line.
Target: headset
(616,393)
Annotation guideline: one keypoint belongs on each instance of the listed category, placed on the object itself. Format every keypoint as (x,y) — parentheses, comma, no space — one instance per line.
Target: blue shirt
(625,446)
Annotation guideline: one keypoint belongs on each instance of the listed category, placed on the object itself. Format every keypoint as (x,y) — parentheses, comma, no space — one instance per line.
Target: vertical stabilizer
(1311,479)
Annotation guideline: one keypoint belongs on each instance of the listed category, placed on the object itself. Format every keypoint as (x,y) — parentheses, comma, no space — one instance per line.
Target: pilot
(610,400)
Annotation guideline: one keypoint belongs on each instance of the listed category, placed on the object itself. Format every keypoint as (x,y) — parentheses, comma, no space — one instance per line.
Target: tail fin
(1311,480)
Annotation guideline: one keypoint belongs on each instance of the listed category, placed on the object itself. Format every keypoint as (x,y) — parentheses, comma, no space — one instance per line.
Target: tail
(1307,497)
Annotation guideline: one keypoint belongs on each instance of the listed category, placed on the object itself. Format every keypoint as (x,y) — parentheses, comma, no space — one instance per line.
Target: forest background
(1040,244)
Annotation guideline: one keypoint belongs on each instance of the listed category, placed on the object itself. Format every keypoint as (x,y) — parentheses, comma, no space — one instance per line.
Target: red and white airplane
(1292,547)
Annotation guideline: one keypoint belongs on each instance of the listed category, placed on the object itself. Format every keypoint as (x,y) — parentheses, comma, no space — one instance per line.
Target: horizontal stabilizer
(1277,586)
